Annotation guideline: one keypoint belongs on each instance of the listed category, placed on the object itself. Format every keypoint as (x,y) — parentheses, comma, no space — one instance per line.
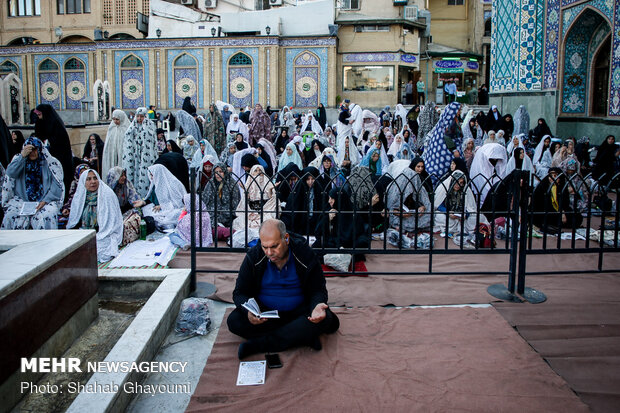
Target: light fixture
(106,34)
(58,31)
(158,32)
(267,30)
(213,31)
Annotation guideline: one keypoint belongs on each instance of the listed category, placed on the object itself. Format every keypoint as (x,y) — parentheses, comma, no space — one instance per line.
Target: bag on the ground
(238,238)
(483,236)
(193,318)
(339,262)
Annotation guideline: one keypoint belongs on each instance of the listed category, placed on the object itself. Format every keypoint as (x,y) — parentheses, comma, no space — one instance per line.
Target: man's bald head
(274,241)
(273,226)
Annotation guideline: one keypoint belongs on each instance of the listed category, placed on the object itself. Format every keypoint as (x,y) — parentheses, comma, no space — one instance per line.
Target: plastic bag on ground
(193,318)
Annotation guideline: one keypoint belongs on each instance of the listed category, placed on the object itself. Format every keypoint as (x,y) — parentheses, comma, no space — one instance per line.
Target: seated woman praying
(166,194)
(95,206)
(455,206)
(33,176)
(182,237)
(128,200)
(551,204)
(408,203)
(221,198)
(76,179)
(306,204)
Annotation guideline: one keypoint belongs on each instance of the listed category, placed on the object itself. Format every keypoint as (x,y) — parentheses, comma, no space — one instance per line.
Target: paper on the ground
(252,306)
(251,373)
(29,208)
(145,253)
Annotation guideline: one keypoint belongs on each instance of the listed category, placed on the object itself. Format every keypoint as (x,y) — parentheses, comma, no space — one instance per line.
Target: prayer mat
(577,331)
(399,360)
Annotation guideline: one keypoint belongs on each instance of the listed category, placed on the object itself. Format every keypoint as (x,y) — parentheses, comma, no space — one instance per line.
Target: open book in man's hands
(252,306)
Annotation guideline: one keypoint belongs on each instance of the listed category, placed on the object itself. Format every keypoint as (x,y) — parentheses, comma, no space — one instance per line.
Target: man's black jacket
(307,266)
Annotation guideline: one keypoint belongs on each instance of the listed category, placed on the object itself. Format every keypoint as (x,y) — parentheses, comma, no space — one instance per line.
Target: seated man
(291,281)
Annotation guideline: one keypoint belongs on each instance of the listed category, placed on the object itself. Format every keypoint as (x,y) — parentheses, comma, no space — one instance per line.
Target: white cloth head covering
(511,146)
(168,189)
(402,112)
(444,186)
(395,146)
(482,171)
(239,126)
(142,111)
(238,171)
(285,158)
(113,148)
(269,148)
(539,149)
(299,141)
(316,128)
(109,217)
(188,123)
(354,155)
(356,115)
(198,155)
(370,122)
(318,160)
(527,164)
(221,105)
(282,113)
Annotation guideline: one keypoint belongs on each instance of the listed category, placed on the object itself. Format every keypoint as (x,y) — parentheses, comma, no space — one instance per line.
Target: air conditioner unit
(210,4)
(275,2)
(187,2)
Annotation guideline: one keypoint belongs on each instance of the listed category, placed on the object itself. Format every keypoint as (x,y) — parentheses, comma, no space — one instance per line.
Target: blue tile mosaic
(227,79)
(292,94)
(198,96)
(134,84)
(614,93)
(49,85)
(60,60)
(75,89)
(17,60)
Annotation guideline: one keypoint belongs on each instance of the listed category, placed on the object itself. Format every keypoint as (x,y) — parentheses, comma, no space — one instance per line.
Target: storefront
(465,72)
(377,79)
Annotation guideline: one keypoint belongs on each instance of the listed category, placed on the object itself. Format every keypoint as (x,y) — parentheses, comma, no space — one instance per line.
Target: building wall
(277,73)
(549,46)
(42,27)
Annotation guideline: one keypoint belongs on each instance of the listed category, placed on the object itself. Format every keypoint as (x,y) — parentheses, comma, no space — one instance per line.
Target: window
(48,64)
(74,64)
(185,60)
(350,4)
(131,61)
(19,8)
(371,28)
(240,59)
(72,6)
(368,78)
(456,2)
(8,67)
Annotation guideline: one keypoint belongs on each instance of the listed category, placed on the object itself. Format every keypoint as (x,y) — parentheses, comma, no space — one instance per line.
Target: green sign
(50,91)
(185,88)
(306,87)
(449,70)
(132,89)
(240,87)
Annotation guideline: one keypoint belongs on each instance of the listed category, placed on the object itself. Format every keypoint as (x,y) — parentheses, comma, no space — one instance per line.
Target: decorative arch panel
(132,82)
(185,77)
(75,83)
(49,83)
(240,76)
(307,80)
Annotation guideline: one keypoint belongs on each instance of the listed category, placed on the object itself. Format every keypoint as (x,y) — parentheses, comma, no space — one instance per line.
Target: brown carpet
(396,360)
(577,331)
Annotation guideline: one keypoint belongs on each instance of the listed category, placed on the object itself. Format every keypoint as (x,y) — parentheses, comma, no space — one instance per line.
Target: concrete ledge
(55,346)
(140,342)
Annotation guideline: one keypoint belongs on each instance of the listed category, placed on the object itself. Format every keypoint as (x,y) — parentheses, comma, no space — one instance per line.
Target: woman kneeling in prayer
(166,194)
(455,203)
(551,204)
(33,176)
(408,203)
(182,236)
(221,197)
(128,201)
(95,206)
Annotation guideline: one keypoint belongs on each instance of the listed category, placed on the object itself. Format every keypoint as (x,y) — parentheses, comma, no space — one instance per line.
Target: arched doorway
(185,79)
(240,80)
(132,82)
(600,79)
(49,83)
(584,41)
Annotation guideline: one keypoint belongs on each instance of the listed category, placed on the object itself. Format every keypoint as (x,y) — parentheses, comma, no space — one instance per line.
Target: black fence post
(192,186)
(499,290)
(530,295)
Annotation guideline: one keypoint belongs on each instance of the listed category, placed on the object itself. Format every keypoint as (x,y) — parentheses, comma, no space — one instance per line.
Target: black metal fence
(363,214)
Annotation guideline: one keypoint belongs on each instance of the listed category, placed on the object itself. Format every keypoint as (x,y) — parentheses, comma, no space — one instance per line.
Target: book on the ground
(252,306)
(29,208)
(251,373)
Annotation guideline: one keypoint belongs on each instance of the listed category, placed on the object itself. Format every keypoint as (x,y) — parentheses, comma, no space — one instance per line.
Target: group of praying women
(405,171)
